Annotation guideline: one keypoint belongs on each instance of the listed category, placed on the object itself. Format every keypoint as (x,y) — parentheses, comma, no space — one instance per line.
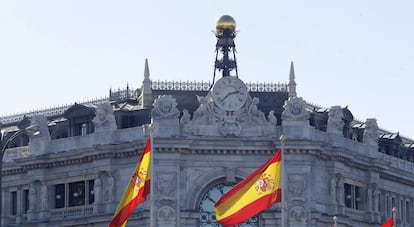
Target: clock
(229,93)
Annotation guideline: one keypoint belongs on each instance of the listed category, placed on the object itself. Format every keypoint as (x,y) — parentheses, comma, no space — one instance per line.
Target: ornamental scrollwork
(295,110)
(165,106)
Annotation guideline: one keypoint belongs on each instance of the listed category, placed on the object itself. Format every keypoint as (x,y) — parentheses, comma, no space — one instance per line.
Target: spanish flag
(388,223)
(137,189)
(253,195)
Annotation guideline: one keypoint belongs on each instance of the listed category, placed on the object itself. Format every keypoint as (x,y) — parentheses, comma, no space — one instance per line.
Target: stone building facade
(205,141)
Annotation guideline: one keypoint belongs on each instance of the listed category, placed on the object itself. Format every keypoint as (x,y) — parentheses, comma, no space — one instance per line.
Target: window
(207,216)
(91,191)
(74,194)
(352,196)
(26,205)
(407,211)
(77,193)
(59,196)
(13,196)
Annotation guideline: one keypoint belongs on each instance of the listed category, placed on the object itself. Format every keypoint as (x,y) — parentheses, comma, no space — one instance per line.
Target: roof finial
(146,70)
(292,83)
(146,91)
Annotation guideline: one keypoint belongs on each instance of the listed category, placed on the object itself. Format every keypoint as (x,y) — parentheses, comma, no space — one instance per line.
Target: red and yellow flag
(388,223)
(137,189)
(253,195)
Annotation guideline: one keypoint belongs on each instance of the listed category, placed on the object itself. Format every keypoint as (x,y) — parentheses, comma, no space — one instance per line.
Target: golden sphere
(225,22)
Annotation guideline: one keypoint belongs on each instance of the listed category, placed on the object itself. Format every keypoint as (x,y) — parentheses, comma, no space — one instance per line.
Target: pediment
(79,110)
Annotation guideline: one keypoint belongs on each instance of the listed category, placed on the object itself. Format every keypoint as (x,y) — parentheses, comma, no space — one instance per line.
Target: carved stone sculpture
(166,184)
(203,113)
(371,132)
(297,185)
(272,118)
(44,198)
(335,123)
(97,189)
(166,213)
(295,111)
(110,188)
(40,121)
(32,197)
(255,115)
(332,188)
(104,119)
(186,117)
(297,214)
(340,190)
(165,107)
(245,120)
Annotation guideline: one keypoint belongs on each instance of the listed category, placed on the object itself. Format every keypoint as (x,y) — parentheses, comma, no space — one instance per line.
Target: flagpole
(152,189)
(283,201)
(335,220)
(394,215)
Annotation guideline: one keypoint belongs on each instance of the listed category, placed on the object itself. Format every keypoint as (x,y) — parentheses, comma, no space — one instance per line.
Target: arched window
(207,216)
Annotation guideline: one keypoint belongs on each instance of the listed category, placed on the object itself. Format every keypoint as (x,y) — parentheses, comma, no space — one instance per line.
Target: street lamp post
(3,145)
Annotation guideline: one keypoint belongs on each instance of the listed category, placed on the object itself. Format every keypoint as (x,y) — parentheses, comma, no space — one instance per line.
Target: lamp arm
(11,138)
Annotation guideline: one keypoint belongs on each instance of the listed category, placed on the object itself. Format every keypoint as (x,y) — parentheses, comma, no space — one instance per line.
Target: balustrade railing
(71,212)
(205,86)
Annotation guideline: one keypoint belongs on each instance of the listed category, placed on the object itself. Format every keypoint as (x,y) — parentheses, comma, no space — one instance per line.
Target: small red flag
(388,223)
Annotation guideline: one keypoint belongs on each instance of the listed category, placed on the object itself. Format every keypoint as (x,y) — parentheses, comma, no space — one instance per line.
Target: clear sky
(351,53)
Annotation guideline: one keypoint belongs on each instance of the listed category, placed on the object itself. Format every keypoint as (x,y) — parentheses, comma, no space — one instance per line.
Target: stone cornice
(67,158)
(396,177)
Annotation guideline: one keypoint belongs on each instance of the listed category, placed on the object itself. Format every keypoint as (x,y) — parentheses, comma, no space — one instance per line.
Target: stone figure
(340,190)
(295,111)
(335,123)
(32,198)
(371,135)
(165,107)
(375,197)
(202,113)
(104,119)
(110,188)
(40,121)
(369,198)
(255,115)
(186,117)
(332,189)
(97,189)
(272,118)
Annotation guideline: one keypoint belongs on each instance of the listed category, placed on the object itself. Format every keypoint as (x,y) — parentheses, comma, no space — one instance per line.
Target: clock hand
(233,92)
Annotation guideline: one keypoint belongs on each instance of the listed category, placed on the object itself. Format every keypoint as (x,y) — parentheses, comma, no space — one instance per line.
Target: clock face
(229,93)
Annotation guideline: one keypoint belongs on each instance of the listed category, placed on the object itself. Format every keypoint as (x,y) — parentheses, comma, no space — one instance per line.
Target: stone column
(19,206)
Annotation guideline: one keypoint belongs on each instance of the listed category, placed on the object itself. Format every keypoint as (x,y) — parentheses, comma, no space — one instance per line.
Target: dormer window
(80,120)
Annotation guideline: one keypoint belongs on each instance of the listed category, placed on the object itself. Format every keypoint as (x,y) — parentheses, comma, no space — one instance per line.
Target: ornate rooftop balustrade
(48,112)
(205,86)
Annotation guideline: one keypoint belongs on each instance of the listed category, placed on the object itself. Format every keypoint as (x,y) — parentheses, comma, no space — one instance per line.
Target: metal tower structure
(225,33)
